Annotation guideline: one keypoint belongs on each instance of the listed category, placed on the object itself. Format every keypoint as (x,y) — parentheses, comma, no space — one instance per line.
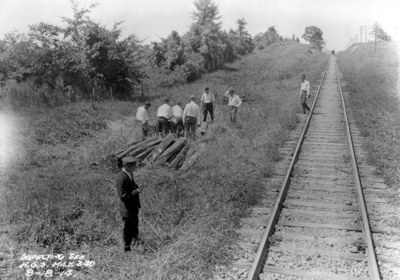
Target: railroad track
(314,222)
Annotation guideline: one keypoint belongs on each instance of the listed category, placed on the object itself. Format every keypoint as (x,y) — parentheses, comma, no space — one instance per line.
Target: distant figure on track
(191,117)
(164,114)
(143,118)
(234,103)
(207,98)
(129,204)
(304,93)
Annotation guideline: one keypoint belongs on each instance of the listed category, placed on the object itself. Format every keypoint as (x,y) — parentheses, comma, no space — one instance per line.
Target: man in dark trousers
(129,204)
(207,98)
(304,93)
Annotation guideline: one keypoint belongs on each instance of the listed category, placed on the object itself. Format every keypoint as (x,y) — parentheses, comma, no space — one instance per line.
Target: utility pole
(365,33)
(356,38)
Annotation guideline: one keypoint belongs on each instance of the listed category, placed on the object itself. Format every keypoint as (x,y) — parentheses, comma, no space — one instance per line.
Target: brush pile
(170,151)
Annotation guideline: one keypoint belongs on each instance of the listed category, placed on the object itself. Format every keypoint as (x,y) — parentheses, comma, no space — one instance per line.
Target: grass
(58,201)
(373,85)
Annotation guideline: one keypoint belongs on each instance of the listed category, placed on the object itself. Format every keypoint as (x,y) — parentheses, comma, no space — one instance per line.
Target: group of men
(176,118)
(189,117)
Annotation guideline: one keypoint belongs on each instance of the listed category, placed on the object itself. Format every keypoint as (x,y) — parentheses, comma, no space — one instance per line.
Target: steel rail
(372,264)
(263,247)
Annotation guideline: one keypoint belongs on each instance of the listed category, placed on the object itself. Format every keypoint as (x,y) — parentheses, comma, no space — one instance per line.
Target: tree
(244,40)
(82,55)
(206,12)
(313,35)
(385,37)
(18,52)
(205,36)
(379,34)
(168,53)
(267,38)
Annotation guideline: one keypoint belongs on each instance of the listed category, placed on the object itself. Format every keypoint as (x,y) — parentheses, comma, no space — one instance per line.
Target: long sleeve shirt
(164,111)
(191,110)
(177,111)
(141,115)
(234,100)
(306,87)
(207,97)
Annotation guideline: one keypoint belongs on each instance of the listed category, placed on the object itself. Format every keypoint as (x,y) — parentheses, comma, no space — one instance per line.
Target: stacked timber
(170,151)
(176,161)
(151,158)
(189,162)
(141,148)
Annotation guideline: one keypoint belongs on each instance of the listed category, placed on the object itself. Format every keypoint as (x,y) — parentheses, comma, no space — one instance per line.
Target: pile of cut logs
(169,151)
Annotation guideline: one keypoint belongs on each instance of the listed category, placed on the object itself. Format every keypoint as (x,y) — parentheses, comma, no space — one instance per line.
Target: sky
(150,20)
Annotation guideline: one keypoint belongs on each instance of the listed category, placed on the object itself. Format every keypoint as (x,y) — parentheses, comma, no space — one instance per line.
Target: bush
(26,94)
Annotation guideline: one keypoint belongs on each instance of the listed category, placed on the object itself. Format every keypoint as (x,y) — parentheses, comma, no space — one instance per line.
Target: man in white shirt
(143,118)
(304,93)
(191,117)
(207,98)
(234,103)
(164,114)
(177,113)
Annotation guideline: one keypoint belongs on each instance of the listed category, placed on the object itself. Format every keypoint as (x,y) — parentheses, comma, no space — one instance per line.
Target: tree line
(51,64)
(379,34)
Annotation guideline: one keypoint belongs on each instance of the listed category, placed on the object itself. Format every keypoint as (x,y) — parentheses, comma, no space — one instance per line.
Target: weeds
(59,201)
(373,98)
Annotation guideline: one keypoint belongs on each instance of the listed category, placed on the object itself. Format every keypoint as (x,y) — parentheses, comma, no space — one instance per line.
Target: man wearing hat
(191,117)
(207,98)
(304,93)
(129,204)
(143,118)
(234,103)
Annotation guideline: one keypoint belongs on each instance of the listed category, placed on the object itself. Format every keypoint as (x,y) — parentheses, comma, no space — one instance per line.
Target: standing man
(164,114)
(191,117)
(143,118)
(207,98)
(177,113)
(129,204)
(304,93)
(234,103)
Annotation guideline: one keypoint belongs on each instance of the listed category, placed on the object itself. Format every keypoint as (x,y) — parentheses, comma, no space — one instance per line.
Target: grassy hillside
(56,200)
(373,85)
